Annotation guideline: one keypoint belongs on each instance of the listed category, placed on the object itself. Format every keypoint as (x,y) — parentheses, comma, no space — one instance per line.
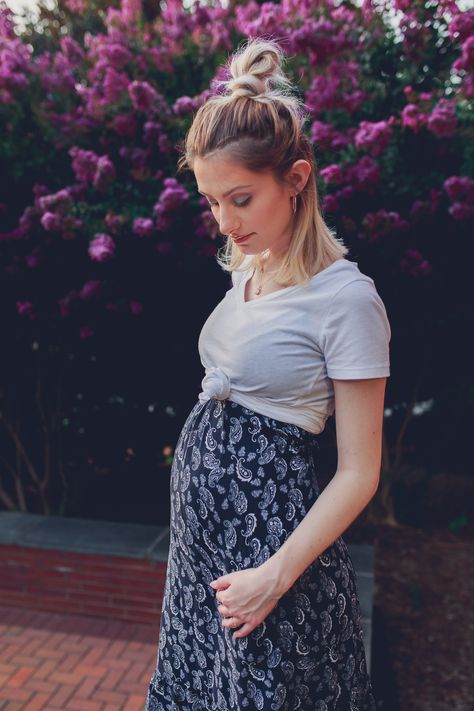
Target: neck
(269,264)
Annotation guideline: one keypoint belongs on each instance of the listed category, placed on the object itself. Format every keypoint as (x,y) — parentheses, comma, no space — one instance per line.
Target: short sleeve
(356,333)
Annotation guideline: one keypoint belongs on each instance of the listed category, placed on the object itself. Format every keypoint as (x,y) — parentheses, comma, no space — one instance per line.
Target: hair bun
(246,85)
(256,71)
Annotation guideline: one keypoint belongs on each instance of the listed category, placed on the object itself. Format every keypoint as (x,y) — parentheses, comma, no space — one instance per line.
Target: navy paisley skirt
(241,482)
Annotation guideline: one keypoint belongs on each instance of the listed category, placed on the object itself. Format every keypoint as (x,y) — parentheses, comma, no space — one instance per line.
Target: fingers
(231,622)
(244,630)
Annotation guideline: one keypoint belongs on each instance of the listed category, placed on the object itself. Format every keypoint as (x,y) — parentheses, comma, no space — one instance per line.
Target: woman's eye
(242,203)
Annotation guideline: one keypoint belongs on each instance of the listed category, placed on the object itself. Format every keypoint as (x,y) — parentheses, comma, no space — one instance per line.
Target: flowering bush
(111,109)
(91,121)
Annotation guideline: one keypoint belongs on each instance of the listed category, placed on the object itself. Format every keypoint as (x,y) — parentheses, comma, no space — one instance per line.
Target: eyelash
(242,204)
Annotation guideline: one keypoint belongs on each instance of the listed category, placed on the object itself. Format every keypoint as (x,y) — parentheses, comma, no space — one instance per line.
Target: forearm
(338,505)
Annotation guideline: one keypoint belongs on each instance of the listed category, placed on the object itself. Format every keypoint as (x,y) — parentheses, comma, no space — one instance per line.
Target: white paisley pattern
(241,482)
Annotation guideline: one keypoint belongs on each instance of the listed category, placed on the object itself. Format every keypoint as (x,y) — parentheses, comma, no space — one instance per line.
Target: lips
(240,239)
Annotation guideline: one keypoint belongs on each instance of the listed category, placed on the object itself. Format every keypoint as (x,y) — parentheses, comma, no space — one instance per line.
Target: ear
(298,174)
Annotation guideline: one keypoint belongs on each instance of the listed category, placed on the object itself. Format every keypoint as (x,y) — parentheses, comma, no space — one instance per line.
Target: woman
(260,608)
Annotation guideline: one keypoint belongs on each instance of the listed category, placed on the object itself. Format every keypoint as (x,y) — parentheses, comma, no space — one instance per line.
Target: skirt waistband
(288,428)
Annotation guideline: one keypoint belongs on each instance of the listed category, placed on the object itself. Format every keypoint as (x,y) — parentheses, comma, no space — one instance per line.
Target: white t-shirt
(278,353)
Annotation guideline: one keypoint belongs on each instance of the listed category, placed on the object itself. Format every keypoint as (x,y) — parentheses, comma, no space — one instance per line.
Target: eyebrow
(228,192)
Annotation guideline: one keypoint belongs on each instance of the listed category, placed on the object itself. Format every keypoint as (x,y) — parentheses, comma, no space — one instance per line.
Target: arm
(359,408)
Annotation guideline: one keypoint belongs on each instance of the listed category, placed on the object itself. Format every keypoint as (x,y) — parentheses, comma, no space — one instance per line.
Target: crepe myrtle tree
(92,208)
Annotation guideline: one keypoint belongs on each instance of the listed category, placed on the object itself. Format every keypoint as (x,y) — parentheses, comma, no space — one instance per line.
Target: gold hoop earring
(293,203)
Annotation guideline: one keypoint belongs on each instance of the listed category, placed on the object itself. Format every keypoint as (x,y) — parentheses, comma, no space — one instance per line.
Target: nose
(228,222)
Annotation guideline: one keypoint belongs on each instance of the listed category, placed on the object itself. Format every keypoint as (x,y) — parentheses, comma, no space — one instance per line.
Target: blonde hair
(259,125)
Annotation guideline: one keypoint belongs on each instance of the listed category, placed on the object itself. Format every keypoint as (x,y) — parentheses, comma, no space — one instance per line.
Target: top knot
(256,71)
(246,85)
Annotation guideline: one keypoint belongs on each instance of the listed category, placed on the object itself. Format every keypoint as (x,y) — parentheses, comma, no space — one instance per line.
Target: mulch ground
(422,655)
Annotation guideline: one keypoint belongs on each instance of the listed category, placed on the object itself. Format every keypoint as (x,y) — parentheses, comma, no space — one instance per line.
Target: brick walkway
(51,662)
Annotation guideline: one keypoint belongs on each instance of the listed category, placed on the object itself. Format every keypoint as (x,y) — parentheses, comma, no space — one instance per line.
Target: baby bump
(239,488)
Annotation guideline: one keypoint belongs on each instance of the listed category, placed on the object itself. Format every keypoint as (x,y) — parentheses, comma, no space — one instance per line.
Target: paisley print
(240,483)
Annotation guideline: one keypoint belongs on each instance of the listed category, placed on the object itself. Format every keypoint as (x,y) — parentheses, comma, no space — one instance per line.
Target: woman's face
(247,203)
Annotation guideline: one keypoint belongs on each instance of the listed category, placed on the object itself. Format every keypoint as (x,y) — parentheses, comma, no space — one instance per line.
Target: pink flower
(365,174)
(172,198)
(461,211)
(442,121)
(125,125)
(330,204)
(413,118)
(91,168)
(84,164)
(7,23)
(151,132)
(143,95)
(71,49)
(50,222)
(24,308)
(143,227)
(462,25)
(374,137)
(90,289)
(459,188)
(332,174)
(183,105)
(466,61)
(102,248)
(116,54)
(402,5)
(77,6)
(337,88)
(468,85)
(131,10)
(104,173)
(324,134)
(115,84)
(60,199)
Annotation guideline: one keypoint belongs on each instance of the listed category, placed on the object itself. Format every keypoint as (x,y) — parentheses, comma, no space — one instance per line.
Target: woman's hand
(246,597)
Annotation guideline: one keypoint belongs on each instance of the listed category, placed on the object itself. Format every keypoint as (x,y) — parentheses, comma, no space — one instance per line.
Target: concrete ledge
(81,535)
(108,569)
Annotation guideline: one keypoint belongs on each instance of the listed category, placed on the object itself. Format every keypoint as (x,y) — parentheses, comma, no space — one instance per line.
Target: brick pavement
(53,661)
